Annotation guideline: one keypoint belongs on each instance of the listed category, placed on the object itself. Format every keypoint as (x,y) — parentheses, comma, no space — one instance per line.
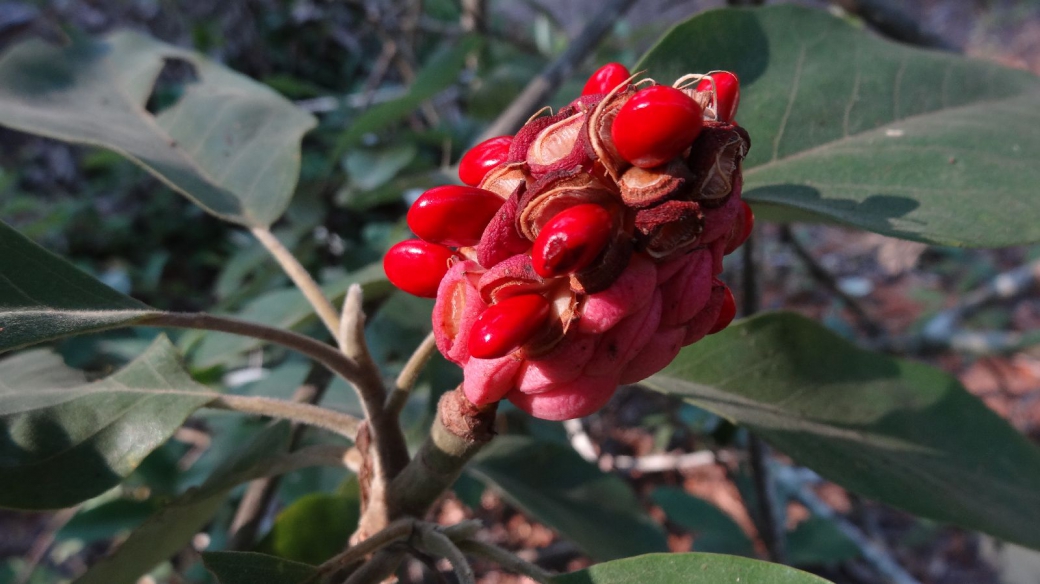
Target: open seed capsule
(571,240)
(656,125)
(483,157)
(727,89)
(606,78)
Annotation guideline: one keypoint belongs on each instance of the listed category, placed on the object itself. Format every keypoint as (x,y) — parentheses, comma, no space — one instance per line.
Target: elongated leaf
(43,297)
(251,568)
(691,568)
(63,441)
(894,430)
(229,143)
(713,530)
(850,128)
(169,530)
(557,487)
(283,309)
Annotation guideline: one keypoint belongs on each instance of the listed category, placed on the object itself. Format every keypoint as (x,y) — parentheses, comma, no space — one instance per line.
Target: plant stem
(398,530)
(336,361)
(505,559)
(301,277)
(343,424)
(409,375)
(438,544)
(459,432)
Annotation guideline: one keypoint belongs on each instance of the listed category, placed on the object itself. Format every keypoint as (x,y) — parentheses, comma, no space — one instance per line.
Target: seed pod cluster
(583,252)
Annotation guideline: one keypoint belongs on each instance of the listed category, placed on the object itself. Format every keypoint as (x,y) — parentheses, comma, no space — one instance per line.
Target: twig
(256,502)
(877,557)
(301,277)
(580,440)
(43,543)
(824,277)
(317,350)
(505,559)
(409,375)
(771,524)
(542,86)
(380,567)
(890,20)
(432,540)
(396,531)
(343,424)
(661,462)
(351,336)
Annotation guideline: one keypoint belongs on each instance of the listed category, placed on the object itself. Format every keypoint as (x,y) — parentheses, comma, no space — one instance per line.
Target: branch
(339,363)
(542,86)
(351,337)
(343,424)
(505,559)
(396,531)
(822,276)
(877,557)
(433,541)
(459,432)
(409,375)
(301,277)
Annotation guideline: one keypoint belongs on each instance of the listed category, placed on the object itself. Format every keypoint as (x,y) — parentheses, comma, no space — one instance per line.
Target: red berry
(655,125)
(727,88)
(417,267)
(606,78)
(453,215)
(483,157)
(507,325)
(571,240)
(726,314)
(741,228)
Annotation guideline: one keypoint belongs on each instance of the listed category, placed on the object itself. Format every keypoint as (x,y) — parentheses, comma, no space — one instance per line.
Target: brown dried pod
(557,191)
(606,269)
(714,160)
(669,227)
(529,132)
(504,179)
(511,277)
(596,134)
(644,187)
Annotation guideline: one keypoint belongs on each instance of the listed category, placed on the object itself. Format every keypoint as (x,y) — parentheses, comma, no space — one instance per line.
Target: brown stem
(409,375)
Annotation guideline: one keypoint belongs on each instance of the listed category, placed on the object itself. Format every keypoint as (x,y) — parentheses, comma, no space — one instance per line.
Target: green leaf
(690,568)
(63,441)
(713,530)
(43,297)
(894,430)
(286,308)
(554,485)
(818,541)
(436,75)
(849,128)
(251,567)
(315,527)
(169,530)
(229,144)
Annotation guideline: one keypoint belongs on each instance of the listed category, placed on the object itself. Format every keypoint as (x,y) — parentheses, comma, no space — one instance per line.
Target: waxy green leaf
(689,568)
(897,431)
(229,144)
(63,440)
(849,128)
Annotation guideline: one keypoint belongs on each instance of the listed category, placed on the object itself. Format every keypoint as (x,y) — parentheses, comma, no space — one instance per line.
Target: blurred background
(397,107)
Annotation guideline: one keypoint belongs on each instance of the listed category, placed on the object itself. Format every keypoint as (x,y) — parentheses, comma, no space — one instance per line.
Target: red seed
(571,240)
(417,267)
(726,314)
(655,125)
(453,215)
(483,157)
(606,78)
(507,325)
(742,227)
(727,88)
